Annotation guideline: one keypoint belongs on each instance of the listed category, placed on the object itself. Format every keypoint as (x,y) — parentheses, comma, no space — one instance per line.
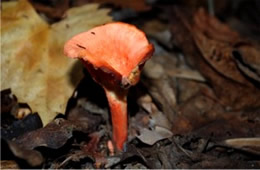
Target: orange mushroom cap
(114,54)
(114,47)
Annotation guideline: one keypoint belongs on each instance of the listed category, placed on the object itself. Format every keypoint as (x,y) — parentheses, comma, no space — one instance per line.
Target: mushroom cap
(115,47)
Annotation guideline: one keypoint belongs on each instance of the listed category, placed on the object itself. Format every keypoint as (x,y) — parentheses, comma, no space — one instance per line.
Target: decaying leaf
(153,127)
(24,41)
(150,137)
(247,144)
(32,60)
(208,45)
(215,41)
(186,74)
(54,135)
(248,60)
(243,142)
(138,5)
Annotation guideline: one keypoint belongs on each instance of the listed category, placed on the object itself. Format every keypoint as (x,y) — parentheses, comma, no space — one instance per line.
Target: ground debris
(197,104)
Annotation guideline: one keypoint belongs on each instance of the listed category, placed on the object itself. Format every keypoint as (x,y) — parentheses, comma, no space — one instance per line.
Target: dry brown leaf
(248,60)
(32,60)
(215,29)
(150,137)
(217,42)
(153,127)
(251,145)
(184,73)
(219,56)
(242,142)
(214,40)
(238,94)
(54,135)
(138,5)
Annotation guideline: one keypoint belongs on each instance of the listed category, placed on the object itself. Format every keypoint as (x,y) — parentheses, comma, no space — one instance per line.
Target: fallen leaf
(54,135)
(150,137)
(186,74)
(138,5)
(154,127)
(247,144)
(218,49)
(216,42)
(32,60)
(160,120)
(212,56)
(248,60)
(22,67)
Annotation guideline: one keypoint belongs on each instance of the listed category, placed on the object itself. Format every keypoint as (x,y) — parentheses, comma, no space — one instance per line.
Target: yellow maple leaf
(32,61)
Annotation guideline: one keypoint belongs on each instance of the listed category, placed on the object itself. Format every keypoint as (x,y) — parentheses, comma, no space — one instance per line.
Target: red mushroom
(114,55)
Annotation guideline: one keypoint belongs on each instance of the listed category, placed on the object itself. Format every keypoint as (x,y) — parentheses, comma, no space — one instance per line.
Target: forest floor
(197,104)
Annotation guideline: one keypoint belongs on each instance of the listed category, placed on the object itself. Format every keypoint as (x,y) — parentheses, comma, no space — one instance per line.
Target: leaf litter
(197,105)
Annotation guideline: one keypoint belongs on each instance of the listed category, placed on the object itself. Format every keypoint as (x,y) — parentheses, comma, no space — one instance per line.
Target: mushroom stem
(118,108)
